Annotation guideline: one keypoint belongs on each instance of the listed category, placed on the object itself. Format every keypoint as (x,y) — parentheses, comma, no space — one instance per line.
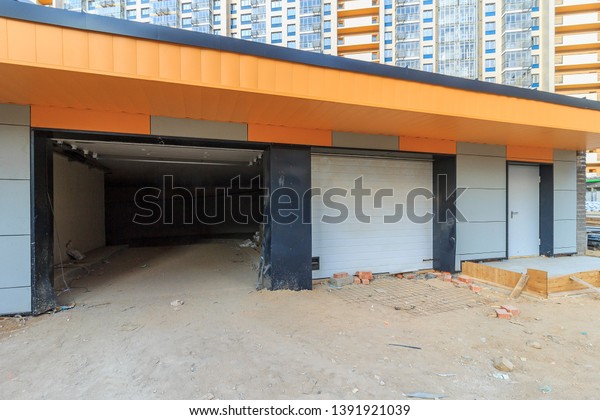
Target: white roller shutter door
(376,246)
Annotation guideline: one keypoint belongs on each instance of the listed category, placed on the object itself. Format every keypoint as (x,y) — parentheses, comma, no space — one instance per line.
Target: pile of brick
(462,280)
(363,277)
(507,312)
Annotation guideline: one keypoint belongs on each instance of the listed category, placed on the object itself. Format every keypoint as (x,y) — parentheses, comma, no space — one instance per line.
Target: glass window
(217,5)
(246,18)
(217,19)
(131,14)
(428,34)
(291,12)
(246,33)
(232,8)
(327,9)
(291,29)
(217,32)
(427,15)
(246,4)
(490,9)
(327,43)
(387,19)
(388,53)
(186,7)
(428,67)
(490,79)
(387,36)
(276,5)
(233,23)
(291,44)
(276,21)
(490,46)
(145,12)
(374,56)
(276,37)
(490,28)
(327,26)
(490,64)
(428,51)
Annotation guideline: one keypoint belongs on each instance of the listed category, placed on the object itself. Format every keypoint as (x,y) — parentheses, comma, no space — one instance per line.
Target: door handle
(512,213)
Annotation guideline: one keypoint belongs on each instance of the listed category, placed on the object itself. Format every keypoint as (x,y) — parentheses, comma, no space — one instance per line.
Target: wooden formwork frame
(540,284)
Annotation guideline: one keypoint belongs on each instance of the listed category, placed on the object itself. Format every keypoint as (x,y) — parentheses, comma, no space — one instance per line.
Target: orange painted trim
(529,154)
(576,8)
(358,30)
(372,46)
(89,120)
(287,135)
(365,11)
(579,27)
(589,47)
(416,144)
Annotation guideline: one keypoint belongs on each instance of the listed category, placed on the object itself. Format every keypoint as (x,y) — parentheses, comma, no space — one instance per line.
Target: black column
(287,233)
(444,209)
(42,231)
(546,210)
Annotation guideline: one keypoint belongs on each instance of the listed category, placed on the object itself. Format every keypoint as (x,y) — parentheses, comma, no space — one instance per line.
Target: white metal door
(523,210)
(376,246)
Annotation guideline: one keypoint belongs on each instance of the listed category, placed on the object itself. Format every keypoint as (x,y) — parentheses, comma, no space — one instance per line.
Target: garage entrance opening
(179,213)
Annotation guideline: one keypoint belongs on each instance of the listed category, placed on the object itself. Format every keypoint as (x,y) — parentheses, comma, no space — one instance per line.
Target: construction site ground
(129,338)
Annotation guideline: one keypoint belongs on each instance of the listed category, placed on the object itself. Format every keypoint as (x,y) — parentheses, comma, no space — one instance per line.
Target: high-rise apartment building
(577,48)
(501,41)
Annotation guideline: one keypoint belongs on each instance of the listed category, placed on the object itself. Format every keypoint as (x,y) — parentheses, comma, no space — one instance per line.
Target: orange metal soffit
(529,154)
(275,134)
(415,144)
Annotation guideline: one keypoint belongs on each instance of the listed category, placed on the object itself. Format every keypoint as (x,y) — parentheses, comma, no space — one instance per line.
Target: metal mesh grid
(413,297)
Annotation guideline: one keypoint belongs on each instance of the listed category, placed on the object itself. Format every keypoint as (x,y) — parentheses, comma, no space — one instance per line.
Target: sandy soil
(124,340)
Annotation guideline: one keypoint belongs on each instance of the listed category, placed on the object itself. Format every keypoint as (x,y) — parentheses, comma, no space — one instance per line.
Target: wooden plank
(561,284)
(585,283)
(516,292)
(537,284)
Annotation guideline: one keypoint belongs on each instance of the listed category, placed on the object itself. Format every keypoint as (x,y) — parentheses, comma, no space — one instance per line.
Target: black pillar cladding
(42,229)
(546,210)
(287,232)
(444,209)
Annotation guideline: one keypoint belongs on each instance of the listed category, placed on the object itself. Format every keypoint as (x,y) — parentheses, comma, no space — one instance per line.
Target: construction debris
(534,344)
(177,303)
(502,313)
(365,276)
(516,292)
(503,364)
(73,253)
(511,309)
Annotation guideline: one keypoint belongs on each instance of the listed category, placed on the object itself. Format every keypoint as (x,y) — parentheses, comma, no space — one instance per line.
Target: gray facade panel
(565,205)
(485,237)
(565,239)
(480,149)
(364,141)
(565,176)
(15,114)
(184,127)
(14,153)
(15,260)
(16,300)
(480,172)
(565,155)
(479,205)
(14,207)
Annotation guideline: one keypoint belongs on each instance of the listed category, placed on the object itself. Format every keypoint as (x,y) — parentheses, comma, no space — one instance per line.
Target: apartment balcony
(577,62)
(568,43)
(577,82)
(358,30)
(356,48)
(564,7)
(357,8)
(586,23)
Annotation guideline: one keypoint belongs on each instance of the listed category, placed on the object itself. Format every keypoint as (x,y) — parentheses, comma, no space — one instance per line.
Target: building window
(387,20)
(291,29)
(145,1)
(186,22)
(374,56)
(233,23)
(246,19)
(291,44)
(276,5)
(217,32)
(535,42)
(387,37)
(388,4)
(327,43)
(428,67)
(428,34)
(327,26)
(246,4)
(276,21)
(535,61)
(327,9)
(387,53)
(291,13)
(131,14)
(246,33)
(490,79)
(490,9)
(232,9)
(186,7)
(490,46)
(374,38)
(276,37)
(217,19)
(490,28)
(146,12)
(427,16)
(131,2)
(217,5)
(428,51)
(490,64)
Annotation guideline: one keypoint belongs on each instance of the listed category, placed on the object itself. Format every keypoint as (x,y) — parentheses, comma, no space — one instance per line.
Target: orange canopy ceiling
(54,66)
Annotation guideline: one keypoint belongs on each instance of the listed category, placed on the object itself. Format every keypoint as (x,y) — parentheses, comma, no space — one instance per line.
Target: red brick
(356,280)
(365,275)
(514,311)
(410,276)
(475,288)
(399,275)
(447,277)
(465,279)
(365,281)
(340,275)
(502,313)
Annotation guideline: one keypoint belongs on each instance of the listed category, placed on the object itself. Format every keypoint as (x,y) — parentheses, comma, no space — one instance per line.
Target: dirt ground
(124,339)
